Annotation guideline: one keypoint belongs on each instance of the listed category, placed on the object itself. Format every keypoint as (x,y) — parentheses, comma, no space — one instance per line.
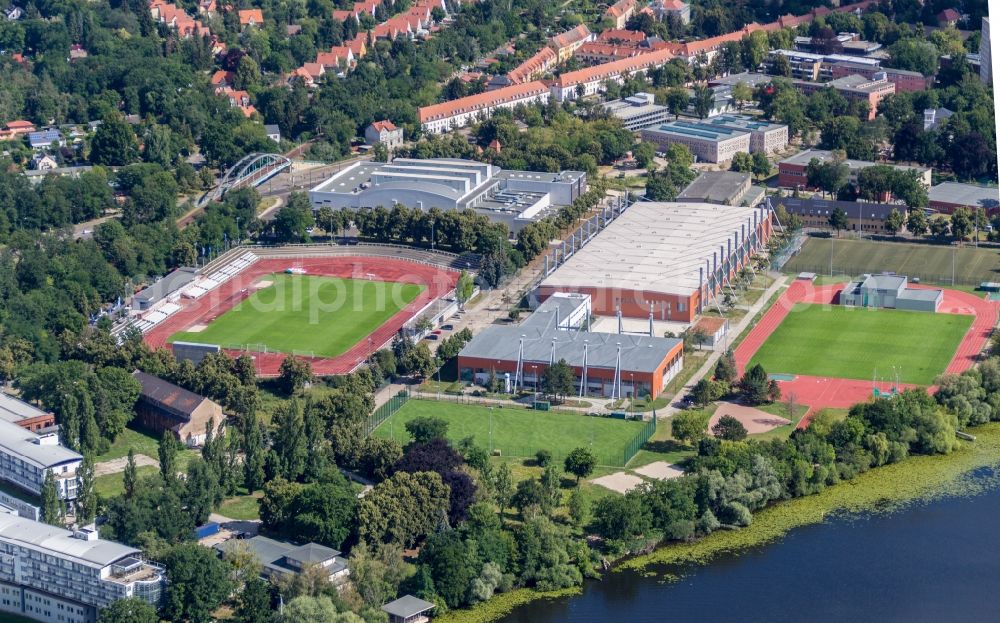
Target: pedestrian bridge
(252,170)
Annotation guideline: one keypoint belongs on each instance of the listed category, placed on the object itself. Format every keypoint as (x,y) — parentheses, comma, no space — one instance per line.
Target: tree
(962,223)
(580,462)
(730,429)
(915,55)
(644,154)
(894,221)
(254,451)
(376,574)
(294,373)
(916,222)
(167,450)
(742,93)
(741,162)
(86,498)
(689,426)
(725,369)
(702,100)
(198,582)
(703,393)
(503,487)
(463,289)
(131,610)
(114,142)
(579,508)
(52,509)
(557,380)
(131,474)
(289,442)
(424,429)
(201,490)
(378,457)
(403,508)
(254,602)
(761,166)
(755,386)
(838,219)
(294,219)
(677,99)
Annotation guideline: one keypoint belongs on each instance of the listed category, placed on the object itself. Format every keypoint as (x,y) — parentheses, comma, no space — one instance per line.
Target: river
(934,561)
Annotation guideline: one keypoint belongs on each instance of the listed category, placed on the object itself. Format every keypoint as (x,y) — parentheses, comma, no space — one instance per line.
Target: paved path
(114,466)
(734,330)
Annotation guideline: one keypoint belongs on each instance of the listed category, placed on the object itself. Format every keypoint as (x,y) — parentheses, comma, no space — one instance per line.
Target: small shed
(408,609)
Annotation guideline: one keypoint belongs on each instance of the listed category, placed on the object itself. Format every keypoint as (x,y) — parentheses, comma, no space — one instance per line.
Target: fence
(384,412)
(637,442)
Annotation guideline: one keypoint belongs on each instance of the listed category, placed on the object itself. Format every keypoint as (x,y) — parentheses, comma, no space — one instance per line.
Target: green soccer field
(857,343)
(306,315)
(520,432)
(931,263)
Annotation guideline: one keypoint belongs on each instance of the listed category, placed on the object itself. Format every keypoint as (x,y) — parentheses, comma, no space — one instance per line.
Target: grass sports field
(932,263)
(855,343)
(321,316)
(520,432)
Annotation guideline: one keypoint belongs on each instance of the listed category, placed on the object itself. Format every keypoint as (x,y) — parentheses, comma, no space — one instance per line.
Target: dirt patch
(754,420)
(618,481)
(118,465)
(660,470)
(198,328)
(264,283)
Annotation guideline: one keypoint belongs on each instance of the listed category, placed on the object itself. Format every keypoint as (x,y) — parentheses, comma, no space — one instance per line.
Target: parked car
(447,327)
(431,337)
(436,332)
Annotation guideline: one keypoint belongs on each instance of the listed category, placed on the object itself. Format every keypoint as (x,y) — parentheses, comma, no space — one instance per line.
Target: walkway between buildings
(734,330)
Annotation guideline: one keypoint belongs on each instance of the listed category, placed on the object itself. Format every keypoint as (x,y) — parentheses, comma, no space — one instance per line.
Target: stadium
(666,261)
(333,305)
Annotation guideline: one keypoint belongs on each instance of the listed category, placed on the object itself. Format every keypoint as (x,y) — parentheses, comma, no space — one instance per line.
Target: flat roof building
(729,188)
(171,284)
(855,87)
(515,198)
(862,216)
(638,111)
(24,414)
(765,136)
(58,576)
(792,170)
(408,609)
(949,196)
(26,457)
(708,142)
(890,291)
(606,364)
(668,258)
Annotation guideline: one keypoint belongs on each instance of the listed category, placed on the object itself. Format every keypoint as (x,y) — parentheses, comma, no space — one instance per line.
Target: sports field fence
(386,411)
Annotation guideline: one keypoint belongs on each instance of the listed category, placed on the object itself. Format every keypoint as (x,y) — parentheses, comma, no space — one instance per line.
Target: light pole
(534,374)
(491,430)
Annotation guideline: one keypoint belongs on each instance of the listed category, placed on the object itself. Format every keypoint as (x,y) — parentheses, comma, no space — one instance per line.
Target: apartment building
(708,143)
(638,112)
(26,457)
(457,113)
(55,575)
(565,44)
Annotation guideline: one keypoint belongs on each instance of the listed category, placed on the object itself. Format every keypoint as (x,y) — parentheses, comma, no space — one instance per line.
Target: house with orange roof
(620,12)
(222,79)
(565,44)
(595,52)
(618,35)
(238,99)
(385,133)
(358,45)
(207,7)
(251,17)
(13,129)
(591,79)
(665,9)
(310,74)
(445,116)
(535,67)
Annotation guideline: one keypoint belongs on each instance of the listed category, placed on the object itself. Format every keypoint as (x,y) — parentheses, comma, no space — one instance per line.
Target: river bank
(917,478)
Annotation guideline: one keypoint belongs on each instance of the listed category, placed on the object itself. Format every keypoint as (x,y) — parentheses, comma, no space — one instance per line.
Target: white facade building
(25,458)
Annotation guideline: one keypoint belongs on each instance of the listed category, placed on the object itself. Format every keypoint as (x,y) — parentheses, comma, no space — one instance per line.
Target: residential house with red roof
(665,9)
(565,44)
(535,67)
(445,116)
(620,12)
(251,17)
(385,133)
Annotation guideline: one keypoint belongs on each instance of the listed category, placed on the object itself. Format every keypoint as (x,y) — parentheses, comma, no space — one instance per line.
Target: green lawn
(241,507)
(306,315)
(141,443)
(857,343)
(520,432)
(932,263)
(113,485)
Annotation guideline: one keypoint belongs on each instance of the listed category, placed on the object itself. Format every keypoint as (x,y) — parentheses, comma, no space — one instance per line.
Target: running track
(823,392)
(439,281)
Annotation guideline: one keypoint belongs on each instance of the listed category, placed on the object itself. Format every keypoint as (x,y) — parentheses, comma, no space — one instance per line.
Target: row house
(591,80)
(446,116)
(595,53)
(565,44)
(535,67)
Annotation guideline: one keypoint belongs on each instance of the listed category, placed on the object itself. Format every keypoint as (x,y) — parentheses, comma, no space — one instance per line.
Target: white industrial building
(515,198)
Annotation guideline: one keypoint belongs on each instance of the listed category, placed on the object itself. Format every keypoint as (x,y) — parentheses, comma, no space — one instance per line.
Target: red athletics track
(439,281)
(823,392)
